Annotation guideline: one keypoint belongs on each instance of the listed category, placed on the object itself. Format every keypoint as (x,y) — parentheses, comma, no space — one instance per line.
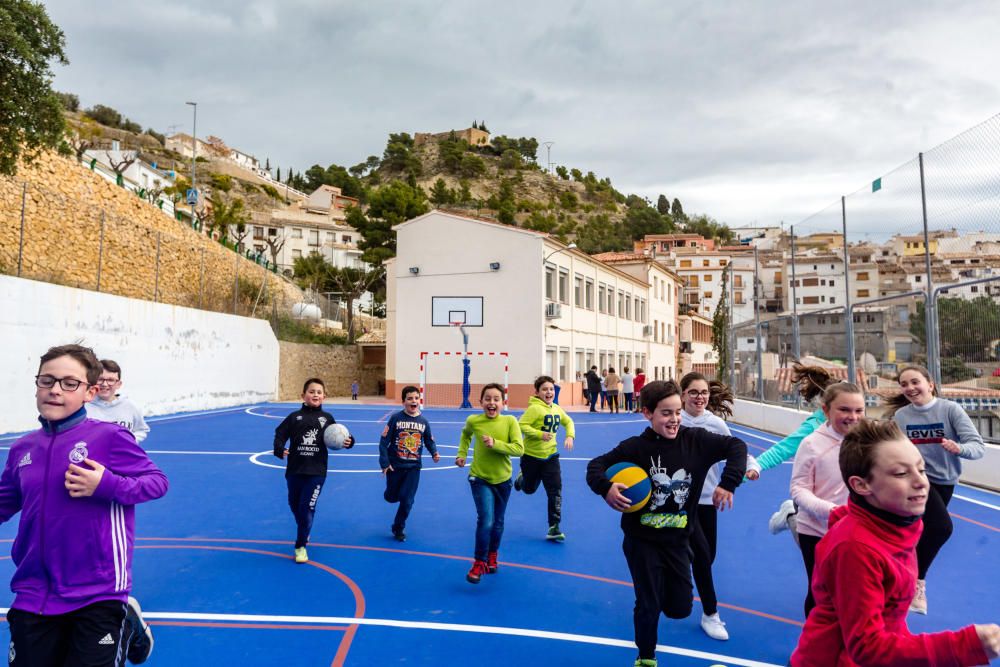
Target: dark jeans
(303,492)
(546,472)
(74,639)
(613,400)
(807,544)
(937,526)
(491,505)
(401,487)
(628,401)
(661,577)
(594,395)
(703,543)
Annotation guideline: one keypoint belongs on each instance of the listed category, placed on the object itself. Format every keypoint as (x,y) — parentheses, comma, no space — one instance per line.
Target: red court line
(978,523)
(359,599)
(250,626)
(523,566)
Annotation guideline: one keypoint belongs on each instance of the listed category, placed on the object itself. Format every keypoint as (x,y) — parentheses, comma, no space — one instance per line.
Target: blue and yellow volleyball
(635,479)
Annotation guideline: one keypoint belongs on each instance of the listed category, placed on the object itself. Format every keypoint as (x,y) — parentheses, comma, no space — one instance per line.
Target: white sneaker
(919,603)
(714,627)
(779,520)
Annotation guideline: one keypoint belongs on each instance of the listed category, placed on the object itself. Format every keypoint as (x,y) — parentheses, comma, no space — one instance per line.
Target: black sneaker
(138,636)
(519,481)
(555,533)
(399,535)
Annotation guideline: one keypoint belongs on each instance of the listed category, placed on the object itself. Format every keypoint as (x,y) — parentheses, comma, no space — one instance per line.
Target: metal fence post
(756,317)
(236,280)
(100,252)
(156,281)
(201,281)
(20,241)
(796,346)
(851,370)
(930,305)
(732,328)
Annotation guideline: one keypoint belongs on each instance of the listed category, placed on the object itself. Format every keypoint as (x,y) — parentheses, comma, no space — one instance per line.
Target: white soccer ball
(335,435)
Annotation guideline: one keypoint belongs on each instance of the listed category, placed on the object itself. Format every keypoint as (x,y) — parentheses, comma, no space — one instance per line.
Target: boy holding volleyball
(305,471)
(657,533)
(404,435)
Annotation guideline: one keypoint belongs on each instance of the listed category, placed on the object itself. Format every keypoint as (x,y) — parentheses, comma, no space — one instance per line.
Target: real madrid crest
(78,453)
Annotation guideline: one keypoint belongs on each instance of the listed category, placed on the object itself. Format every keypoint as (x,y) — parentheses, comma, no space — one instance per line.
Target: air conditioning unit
(553,310)
(647,330)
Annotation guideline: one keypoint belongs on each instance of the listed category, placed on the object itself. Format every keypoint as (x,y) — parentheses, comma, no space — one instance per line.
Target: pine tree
(720,329)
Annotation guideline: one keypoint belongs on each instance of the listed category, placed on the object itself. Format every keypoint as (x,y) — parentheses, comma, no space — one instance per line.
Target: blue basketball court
(214,572)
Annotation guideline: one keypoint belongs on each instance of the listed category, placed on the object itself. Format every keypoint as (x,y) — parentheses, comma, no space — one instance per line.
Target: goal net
(443,381)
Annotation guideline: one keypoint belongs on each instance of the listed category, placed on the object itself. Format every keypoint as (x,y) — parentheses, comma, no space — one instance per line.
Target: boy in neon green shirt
(497,438)
(540,463)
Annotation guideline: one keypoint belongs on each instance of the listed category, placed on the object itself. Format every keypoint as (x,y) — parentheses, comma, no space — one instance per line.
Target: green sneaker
(519,481)
(301,556)
(645,662)
(555,534)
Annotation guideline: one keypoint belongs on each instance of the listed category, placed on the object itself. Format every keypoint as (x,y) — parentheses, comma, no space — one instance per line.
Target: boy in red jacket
(866,566)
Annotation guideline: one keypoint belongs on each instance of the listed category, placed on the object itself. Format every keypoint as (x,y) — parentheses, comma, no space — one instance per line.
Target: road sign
(192,196)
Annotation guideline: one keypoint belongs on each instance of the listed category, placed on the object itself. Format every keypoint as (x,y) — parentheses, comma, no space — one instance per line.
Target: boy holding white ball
(656,545)
(305,471)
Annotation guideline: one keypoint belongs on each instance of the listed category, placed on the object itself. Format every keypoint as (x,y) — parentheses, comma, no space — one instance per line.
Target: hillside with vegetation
(503,181)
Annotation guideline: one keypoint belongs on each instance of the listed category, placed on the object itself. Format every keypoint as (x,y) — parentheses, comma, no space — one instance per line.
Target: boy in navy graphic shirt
(399,456)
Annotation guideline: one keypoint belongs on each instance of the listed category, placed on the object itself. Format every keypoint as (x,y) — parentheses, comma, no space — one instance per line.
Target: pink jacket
(817,486)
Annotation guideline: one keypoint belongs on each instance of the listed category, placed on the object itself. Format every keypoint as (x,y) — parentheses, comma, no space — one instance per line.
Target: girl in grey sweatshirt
(945,435)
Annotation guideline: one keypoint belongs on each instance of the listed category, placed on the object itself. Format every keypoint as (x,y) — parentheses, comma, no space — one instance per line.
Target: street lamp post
(194,155)
(571,246)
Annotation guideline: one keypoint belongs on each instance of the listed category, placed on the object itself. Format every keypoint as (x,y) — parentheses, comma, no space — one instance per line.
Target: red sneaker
(491,562)
(476,573)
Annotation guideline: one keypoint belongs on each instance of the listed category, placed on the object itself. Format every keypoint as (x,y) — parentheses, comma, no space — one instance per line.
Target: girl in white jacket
(817,485)
(703,403)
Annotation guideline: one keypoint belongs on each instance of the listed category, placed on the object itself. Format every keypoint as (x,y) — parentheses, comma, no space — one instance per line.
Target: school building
(529,304)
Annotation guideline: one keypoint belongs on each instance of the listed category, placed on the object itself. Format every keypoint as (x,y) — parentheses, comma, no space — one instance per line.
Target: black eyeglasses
(107,381)
(702,394)
(49,381)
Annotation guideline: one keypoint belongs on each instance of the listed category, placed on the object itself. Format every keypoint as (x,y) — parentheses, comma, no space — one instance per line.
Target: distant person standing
(628,388)
(354,390)
(593,387)
(637,384)
(613,385)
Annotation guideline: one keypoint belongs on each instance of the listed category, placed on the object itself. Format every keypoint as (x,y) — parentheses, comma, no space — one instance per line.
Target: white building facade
(528,302)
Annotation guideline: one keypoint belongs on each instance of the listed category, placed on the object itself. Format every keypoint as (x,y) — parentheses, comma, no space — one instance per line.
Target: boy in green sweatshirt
(497,438)
(540,463)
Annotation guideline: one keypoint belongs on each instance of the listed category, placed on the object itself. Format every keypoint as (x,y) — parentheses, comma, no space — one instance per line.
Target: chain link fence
(905,270)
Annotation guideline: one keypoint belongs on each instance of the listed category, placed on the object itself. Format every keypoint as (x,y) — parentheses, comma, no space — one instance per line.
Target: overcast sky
(751,112)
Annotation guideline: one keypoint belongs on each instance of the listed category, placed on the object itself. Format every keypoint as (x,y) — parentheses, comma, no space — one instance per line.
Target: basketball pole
(466,368)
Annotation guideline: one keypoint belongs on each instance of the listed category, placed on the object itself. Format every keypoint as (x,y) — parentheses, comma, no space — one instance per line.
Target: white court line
(397,624)
(976,502)
(255,459)
(220,411)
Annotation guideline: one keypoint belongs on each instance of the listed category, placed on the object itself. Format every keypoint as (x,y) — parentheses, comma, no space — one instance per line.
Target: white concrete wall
(782,421)
(173,359)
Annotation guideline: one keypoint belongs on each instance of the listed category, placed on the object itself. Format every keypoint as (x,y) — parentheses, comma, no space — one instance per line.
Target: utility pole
(193,195)
(548,154)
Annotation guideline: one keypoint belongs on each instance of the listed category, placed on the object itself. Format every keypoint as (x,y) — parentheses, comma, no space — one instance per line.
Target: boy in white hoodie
(108,406)
(817,485)
(540,462)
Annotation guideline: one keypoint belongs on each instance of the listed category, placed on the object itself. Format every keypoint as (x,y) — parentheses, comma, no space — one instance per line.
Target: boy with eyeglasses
(76,482)
(110,406)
